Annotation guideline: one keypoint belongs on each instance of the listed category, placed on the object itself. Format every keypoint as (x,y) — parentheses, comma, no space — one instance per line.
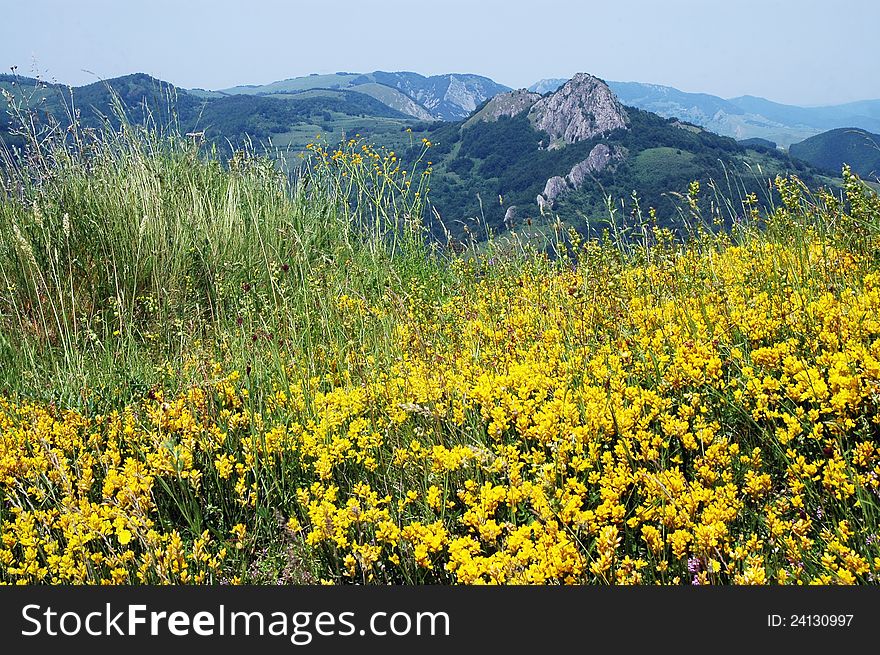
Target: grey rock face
(448,97)
(583,108)
(510,217)
(458,93)
(555,187)
(598,159)
(409,106)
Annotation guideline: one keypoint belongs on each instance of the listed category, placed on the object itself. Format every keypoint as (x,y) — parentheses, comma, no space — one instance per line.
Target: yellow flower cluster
(709,416)
(612,428)
(80,494)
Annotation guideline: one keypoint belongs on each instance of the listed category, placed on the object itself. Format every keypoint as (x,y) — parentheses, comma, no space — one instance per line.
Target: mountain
(584,107)
(256,118)
(745,117)
(294,84)
(547,85)
(523,157)
(748,116)
(448,97)
(517,156)
(504,104)
(711,112)
(831,150)
(144,98)
(289,121)
(864,114)
(395,99)
(671,103)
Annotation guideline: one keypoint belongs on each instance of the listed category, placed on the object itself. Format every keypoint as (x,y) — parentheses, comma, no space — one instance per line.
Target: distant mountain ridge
(748,117)
(283,120)
(744,117)
(455,96)
(448,97)
(864,114)
(547,85)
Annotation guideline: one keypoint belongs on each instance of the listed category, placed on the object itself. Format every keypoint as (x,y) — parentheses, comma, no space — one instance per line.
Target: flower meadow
(221,374)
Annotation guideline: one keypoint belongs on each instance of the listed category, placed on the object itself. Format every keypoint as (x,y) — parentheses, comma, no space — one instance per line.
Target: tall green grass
(126,249)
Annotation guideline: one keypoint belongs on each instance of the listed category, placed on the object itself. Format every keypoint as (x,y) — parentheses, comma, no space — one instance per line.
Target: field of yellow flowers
(690,413)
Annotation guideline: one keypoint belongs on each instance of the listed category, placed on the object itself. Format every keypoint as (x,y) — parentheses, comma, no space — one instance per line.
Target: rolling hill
(288,121)
(144,98)
(830,150)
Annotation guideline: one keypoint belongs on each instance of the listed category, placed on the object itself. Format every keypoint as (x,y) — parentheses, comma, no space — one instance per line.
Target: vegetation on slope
(224,374)
(479,164)
(830,151)
(286,120)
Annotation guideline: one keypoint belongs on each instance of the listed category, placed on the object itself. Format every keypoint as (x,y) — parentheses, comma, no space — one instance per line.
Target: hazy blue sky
(802,52)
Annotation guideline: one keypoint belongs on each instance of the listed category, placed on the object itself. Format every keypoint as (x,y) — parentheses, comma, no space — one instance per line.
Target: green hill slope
(294,84)
(831,150)
(288,120)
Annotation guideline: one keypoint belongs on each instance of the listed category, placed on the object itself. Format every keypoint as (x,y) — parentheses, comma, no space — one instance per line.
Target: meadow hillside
(830,151)
(278,123)
(216,372)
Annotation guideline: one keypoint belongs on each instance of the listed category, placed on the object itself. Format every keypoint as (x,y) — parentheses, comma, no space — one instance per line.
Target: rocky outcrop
(583,108)
(555,187)
(600,157)
(505,104)
(510,217)
(395,99)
